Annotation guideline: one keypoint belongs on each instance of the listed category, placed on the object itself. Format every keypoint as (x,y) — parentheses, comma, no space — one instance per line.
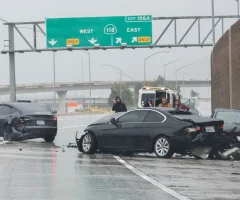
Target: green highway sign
(103,31)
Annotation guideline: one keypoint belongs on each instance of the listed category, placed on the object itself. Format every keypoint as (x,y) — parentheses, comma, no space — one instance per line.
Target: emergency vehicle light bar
(154,88)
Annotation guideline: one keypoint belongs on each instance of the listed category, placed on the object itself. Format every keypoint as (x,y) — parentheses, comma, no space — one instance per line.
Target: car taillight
(190,130)
(54,118)
(24,119)
(193,129)
(222,126)
(198,128)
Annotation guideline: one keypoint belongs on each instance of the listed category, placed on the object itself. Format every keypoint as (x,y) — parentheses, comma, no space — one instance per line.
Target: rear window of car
(180,112)
(32,108)
(183,114)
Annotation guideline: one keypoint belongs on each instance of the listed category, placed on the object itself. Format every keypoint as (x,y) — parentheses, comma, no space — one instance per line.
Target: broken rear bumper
(31,132)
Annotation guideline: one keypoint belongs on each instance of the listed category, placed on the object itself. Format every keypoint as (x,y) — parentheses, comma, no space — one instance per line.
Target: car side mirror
(113,121)
(54,112)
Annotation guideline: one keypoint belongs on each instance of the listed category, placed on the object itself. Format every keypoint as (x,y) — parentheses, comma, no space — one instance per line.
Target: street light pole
(176,74)
(144,71)
(120,82)
(54,80)
(133,86)
(82,69)
(90,82)
(165,70)
(213,23)
(238,7)
(146,60)
(184,84)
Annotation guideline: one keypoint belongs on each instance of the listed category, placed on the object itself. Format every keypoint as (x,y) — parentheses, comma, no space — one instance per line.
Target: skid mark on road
(155,183)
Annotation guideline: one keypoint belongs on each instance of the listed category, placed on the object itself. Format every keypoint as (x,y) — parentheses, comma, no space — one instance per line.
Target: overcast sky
(37,67)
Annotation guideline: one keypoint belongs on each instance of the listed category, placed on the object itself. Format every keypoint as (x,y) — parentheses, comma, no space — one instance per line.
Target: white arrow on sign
(52,42)
(134,39)
(92,41)
(118,40)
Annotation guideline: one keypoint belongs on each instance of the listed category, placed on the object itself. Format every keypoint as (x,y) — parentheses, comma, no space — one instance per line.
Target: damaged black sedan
(164,131)
(22,121)
(231,119)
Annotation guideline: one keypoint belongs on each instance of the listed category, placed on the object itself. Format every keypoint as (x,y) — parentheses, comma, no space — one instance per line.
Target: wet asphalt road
(37,170)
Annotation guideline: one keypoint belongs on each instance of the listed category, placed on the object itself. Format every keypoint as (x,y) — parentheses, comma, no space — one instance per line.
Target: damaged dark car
(23,121)
(231,119)
(164,131)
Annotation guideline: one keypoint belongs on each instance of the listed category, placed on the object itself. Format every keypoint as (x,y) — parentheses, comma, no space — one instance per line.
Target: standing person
(165,103)
(118,106)
(181,106)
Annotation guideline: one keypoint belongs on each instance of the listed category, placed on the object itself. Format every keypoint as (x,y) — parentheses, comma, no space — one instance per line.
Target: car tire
(163,147)
(89,144)
(49,138)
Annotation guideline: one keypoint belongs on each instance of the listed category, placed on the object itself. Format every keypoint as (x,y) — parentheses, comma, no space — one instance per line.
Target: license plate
(210,129)
(40,122)
(238,137)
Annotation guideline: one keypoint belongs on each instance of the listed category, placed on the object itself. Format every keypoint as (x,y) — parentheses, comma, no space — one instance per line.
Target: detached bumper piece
(206,145)
(230,154)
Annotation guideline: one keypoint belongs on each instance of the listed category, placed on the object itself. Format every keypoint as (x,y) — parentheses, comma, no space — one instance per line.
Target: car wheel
(162,147)
(49,138)
(89,144)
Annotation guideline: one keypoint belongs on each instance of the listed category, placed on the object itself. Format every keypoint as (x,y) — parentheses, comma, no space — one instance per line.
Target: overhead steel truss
(37,26)
(201,41)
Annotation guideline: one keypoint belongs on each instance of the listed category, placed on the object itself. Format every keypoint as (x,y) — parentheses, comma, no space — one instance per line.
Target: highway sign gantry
(104,31)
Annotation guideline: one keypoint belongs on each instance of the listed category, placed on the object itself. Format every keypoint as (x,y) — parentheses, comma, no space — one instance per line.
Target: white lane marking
(72,127)
(147,178)
(4,142)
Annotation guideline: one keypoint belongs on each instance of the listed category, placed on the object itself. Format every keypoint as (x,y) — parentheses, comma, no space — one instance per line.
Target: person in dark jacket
(181,106)
(149,103)
(119,106)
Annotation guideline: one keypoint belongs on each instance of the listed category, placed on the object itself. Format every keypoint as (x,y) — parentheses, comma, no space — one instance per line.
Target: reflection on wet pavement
(42,171)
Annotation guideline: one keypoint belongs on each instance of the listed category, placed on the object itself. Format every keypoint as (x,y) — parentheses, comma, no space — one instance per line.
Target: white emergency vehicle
(156,94)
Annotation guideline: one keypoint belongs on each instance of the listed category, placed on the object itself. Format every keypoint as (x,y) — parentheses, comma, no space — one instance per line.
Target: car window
(229,117)
(191,103)
(5,110)
(133,116)
(146,96)
(32,108)
(154,117)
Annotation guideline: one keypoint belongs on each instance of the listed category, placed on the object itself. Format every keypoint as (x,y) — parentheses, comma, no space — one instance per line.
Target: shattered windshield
(229,117)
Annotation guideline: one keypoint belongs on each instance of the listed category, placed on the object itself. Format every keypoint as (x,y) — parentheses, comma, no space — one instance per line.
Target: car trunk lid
(39,120)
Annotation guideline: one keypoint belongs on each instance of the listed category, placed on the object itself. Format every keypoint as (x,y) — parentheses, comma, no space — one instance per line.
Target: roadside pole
(12,75)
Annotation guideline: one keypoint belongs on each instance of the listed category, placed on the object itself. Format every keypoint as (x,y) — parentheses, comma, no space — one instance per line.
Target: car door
(121,136)
(193,104)
(149,128)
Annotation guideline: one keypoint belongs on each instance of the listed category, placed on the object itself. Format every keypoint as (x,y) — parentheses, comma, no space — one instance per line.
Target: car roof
(25,107)
(158,109)
(163,109)
(16,104)
(226,109)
